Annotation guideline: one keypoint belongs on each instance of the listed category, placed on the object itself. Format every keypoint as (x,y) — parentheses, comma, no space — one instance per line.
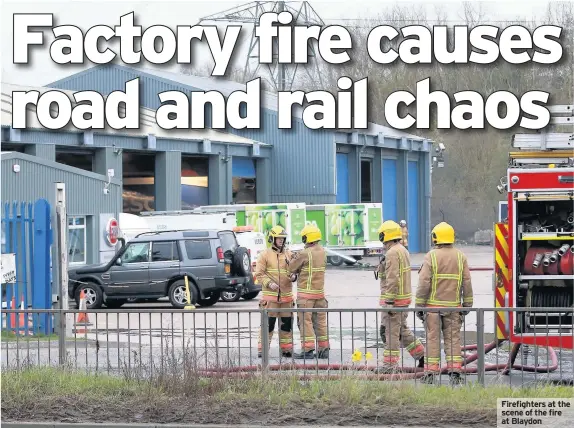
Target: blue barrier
(27,232)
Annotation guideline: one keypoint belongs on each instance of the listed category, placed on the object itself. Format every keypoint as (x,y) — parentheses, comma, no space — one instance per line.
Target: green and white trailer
(349,230)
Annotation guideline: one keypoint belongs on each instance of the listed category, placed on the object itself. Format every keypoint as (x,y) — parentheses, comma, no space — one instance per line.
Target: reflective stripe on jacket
(310,264)
(272,267)
(444,279)
(396,281)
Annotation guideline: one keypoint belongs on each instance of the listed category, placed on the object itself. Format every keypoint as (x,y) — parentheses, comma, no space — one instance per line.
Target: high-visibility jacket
(310,265)
(396,282)
(444,279)
(272,267)
(405,233)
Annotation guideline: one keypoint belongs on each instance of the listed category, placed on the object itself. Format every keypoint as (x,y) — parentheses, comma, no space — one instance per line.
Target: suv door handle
(177,265)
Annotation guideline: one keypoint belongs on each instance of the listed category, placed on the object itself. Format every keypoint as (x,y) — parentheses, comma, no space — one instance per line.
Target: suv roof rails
(156,232)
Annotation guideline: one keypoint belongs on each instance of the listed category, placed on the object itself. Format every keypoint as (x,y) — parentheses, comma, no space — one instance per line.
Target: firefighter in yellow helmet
(444,282)
(309,266)
(395,274)
(277,289)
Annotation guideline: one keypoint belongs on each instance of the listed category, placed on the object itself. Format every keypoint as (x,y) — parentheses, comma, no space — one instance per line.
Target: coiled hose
(406,372)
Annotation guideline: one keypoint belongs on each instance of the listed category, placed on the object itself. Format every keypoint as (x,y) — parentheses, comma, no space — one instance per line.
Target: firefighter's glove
(464,313)
(421,316)
(272,286)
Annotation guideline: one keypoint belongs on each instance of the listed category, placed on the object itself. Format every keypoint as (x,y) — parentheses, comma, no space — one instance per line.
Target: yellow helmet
(442,233)
(310,233)
(276,232)
(389,231)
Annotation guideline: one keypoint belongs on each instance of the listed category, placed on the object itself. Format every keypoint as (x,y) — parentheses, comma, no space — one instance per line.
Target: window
(77,241)
(366,194)
(228,241)
(198,250)
(136,253)
(164,252)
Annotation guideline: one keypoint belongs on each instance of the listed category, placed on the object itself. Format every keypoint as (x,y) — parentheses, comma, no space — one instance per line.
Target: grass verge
(11,336)
(51,394)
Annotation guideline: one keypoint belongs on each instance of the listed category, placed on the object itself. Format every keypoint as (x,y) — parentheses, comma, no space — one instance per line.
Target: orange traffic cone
(17,323)
(82,320)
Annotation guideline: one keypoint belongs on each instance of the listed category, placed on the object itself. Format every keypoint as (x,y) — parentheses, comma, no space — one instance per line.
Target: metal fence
(147,342)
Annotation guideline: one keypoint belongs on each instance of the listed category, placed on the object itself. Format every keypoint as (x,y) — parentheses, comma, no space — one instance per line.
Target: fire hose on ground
(404,374)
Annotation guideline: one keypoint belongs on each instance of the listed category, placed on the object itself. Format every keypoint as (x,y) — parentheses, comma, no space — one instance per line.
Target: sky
(86,14)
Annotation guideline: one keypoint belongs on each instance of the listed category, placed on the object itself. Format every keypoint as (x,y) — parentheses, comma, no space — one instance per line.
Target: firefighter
(396,293)
(444,281)
(277,289)
(309,267)
(404,234)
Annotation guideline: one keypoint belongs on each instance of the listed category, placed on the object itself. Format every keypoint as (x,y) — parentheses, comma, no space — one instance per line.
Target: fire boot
(382,333)
(428,378)
(323,354)
(456,378)
(421,363)
(287,354)
(309,355)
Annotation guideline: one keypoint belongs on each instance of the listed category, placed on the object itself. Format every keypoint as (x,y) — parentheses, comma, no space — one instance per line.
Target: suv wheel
(241,262)
(93,295)
(230,296)
(177,294)
(211,300)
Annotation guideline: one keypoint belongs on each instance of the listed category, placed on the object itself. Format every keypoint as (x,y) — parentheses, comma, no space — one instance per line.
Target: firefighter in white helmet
(396,292)
(309,265)
(404,234)
(277,289)
(444,282)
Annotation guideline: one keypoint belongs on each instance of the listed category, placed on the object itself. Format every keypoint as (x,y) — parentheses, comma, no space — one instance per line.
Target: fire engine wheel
(335,260)
(230,296)
(93,295)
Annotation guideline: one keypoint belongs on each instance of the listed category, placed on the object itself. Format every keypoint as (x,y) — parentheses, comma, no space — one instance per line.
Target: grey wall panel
(168,181)
(44,151)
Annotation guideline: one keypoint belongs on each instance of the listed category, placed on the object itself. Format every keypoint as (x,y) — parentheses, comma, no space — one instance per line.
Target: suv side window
(198,250)
(228,241)
(164,252)
(137,252)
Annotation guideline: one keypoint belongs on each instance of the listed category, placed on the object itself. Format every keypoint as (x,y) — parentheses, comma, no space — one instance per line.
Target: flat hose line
(404,374)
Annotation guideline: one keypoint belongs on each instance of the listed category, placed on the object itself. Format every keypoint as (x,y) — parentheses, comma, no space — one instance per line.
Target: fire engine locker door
(390,189)
(342,178)
(413,223)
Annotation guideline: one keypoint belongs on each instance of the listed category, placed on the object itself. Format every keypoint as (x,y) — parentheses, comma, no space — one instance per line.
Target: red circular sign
(112,231)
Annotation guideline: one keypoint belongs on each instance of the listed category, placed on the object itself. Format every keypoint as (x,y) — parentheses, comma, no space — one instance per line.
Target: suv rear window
(198,250)
(228,241)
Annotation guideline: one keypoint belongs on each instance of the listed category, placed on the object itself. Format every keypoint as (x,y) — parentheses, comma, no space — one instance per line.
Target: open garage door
(244,185)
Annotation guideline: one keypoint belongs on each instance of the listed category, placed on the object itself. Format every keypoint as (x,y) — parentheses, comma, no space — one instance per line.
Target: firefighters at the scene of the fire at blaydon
(444,282)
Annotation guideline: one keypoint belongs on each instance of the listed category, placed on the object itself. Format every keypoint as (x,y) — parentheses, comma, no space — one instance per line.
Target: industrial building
(173,170)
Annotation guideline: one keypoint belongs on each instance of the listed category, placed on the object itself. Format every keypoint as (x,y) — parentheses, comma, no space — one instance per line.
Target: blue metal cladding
(243,167)
(389,189)
(342,178)
(305,156)
(413,207)
(26,232)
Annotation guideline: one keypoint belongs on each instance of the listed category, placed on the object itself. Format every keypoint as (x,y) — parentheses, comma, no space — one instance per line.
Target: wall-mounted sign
(112,232)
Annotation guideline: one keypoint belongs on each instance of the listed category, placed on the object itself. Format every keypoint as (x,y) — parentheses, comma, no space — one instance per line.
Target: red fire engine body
(534,246)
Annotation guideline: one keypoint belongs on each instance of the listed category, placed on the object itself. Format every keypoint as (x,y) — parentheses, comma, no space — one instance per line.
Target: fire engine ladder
(546,147)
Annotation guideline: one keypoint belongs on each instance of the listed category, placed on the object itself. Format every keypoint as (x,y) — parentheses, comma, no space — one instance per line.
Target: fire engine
(534,245)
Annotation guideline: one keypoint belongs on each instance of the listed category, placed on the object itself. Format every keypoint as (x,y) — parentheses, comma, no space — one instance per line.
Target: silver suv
(154,265)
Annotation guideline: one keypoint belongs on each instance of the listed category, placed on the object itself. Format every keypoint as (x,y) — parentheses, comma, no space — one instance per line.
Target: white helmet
(403,223)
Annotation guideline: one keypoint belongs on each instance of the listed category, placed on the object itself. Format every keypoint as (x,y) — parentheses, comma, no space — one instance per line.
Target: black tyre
(350,263)
(211,300)
(251,296)
(241,262)
(335,260)
(115,303)
(177,294)
(230,296)
(93,294)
